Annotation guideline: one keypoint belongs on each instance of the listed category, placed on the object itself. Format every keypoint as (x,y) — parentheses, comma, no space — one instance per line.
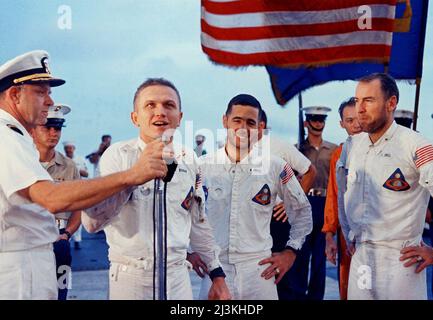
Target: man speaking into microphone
(130,218)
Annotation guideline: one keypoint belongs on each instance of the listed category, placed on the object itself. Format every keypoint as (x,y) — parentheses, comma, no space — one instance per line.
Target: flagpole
(417,94)
(420,60)
(301,132)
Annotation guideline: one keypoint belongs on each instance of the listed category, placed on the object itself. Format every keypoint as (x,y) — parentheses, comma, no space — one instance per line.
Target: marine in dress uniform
(319,152)
(60,169)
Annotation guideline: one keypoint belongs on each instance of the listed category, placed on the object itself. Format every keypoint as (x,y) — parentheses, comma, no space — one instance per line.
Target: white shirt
(23,224)
(286,151)
(388,185)
(80,162)
(240,201)
(128,216)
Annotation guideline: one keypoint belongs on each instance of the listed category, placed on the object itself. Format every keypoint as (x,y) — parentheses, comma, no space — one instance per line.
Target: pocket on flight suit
(134,216)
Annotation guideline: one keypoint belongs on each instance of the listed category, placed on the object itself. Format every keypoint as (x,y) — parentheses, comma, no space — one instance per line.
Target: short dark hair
(244,100)
(156,82)
(105,136)
(347,103)
(387,84)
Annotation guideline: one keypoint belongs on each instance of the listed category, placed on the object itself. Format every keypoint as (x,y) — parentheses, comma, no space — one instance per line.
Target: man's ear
(225,120)
(180,119)
(134,119)
(305,124)
(13,93)
(341,124)
(391,104)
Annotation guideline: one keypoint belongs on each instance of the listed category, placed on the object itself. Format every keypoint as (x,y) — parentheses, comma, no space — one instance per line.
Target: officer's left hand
(281,262)
(280,212)
(219,290)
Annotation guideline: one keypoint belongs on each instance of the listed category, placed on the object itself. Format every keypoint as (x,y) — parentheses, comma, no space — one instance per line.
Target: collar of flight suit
(245,164)
(386,136)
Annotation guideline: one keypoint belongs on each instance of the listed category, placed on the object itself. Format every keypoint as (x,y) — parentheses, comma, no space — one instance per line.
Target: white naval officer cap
(56,115)
(28,68)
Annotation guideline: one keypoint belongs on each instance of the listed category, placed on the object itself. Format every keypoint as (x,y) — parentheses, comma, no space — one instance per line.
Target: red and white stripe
(287,174)
(424,155)
(242,32)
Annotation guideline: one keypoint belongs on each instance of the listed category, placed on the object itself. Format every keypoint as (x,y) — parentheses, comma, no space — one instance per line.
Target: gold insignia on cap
(38,76)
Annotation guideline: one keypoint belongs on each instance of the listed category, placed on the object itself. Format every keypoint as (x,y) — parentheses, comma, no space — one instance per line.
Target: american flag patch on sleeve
(423,155)
(286,174)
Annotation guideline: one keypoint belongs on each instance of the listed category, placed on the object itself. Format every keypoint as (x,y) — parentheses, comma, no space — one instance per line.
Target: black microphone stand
(160,233)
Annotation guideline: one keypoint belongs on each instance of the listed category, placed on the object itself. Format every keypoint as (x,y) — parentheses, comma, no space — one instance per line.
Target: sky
(114,45)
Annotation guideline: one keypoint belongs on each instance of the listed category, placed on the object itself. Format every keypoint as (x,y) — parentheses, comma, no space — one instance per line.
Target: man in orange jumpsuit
(331,227)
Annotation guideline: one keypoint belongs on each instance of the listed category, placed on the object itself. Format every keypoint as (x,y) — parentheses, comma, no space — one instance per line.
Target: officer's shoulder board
(14,128)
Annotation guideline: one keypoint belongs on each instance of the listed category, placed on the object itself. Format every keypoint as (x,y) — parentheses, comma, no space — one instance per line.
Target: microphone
(171,170)
(171,163)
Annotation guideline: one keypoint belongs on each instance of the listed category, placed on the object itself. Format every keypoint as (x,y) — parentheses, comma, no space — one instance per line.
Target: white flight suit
(384,207)
(239,206)
(27,231)
(127,219)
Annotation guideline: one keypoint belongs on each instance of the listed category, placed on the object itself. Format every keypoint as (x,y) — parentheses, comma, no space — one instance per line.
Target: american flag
(198,180)
(286,174)
(295,33)
(423,155)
